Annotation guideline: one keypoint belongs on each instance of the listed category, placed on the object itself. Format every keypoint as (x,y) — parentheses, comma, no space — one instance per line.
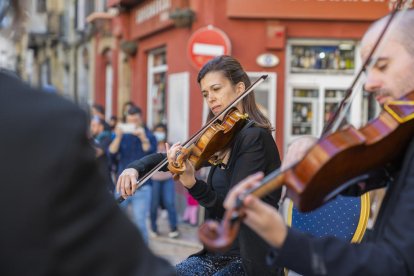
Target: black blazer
(56,216)
(389,250)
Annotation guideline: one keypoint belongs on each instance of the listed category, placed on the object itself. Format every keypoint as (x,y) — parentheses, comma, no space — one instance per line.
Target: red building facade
(309,48)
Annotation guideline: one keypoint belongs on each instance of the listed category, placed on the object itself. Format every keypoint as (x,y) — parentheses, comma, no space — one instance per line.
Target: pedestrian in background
(101,139)
(163,189)
(98,110)
(127,146)
(191,210)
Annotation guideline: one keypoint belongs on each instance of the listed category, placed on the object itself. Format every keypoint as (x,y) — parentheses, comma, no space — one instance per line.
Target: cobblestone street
(175,250)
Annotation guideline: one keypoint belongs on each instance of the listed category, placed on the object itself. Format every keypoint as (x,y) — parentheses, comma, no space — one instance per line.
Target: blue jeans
(163,190)
(140,203)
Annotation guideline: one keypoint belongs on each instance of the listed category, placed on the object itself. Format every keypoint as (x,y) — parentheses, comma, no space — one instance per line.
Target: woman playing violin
(389,249)
(253,149)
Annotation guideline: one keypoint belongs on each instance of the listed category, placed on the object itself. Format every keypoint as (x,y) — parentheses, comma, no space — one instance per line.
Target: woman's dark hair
(233,71)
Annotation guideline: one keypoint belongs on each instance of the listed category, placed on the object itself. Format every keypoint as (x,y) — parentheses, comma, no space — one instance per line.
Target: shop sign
(309,9)
(155,7)
(207,43)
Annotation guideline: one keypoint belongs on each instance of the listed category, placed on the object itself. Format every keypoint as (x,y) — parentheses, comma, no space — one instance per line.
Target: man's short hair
(99,108)
(134,110)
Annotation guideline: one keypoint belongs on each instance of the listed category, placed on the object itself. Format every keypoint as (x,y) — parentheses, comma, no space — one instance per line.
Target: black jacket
(253,150)
(56,216)
(389,250)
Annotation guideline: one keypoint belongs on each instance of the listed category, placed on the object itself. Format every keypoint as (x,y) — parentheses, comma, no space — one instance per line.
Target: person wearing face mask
(127,146)
(163,190)
(56,216)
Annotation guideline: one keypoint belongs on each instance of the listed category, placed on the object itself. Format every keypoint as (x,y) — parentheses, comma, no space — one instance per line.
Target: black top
(253,150)
(56,216)
(389,250)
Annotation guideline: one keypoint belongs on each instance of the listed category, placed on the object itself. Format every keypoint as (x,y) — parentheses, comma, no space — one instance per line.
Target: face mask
(160,136)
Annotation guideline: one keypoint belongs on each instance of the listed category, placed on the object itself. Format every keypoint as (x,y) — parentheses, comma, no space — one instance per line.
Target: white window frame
(109,78)
(151,71)
(272,92)
(321,82)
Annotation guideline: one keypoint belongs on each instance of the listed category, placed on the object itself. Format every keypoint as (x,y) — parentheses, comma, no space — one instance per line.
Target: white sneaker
(152,234)
(173,234)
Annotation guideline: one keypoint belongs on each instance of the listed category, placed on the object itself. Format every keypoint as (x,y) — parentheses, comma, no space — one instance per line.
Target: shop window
(41,6)
(304,105)
(157,81)
(338,58)
(318,75)
(332,98)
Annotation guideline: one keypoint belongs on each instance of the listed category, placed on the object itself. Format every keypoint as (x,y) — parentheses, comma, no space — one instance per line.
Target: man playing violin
(389,250)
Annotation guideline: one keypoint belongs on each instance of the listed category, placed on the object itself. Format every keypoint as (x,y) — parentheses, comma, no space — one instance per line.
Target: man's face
(96,127)
(392,75)
(134,119)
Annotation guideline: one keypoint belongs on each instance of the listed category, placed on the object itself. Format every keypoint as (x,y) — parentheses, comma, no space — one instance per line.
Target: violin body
(215,139)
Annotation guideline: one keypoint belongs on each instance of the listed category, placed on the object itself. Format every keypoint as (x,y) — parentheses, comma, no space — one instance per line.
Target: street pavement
(177,249)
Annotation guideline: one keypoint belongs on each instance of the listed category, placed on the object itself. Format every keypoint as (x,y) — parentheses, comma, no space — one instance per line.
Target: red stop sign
(207,43)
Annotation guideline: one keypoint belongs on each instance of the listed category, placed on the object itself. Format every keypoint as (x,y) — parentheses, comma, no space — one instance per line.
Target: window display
(323,58)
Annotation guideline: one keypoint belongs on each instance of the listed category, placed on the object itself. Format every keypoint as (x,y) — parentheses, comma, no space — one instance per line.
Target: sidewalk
(175,250)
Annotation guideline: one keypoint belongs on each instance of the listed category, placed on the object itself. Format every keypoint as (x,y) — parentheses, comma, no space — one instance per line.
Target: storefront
(309,49)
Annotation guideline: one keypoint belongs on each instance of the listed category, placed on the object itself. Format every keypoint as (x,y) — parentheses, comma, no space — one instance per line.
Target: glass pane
(301,130)
(303,111)
(370,107)
(332,98)
(160,59)
(302,117)
(305,93)
(261,95)
(158,98)
(262,101)
(323,58)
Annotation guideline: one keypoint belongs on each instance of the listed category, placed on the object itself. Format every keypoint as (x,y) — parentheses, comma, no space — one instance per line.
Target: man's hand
(260,217)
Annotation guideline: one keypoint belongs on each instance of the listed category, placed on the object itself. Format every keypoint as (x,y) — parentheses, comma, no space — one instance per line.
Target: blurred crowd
(120,141)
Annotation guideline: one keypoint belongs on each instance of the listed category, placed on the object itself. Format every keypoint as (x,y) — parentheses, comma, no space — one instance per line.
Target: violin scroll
(219,237)
(177,167)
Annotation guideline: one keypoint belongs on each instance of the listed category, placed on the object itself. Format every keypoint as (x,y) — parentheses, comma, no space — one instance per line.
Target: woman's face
(219,92)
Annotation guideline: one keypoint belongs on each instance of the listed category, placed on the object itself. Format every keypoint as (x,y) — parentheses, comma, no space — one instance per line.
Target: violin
(343,157)
(215,139)
(215,136)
